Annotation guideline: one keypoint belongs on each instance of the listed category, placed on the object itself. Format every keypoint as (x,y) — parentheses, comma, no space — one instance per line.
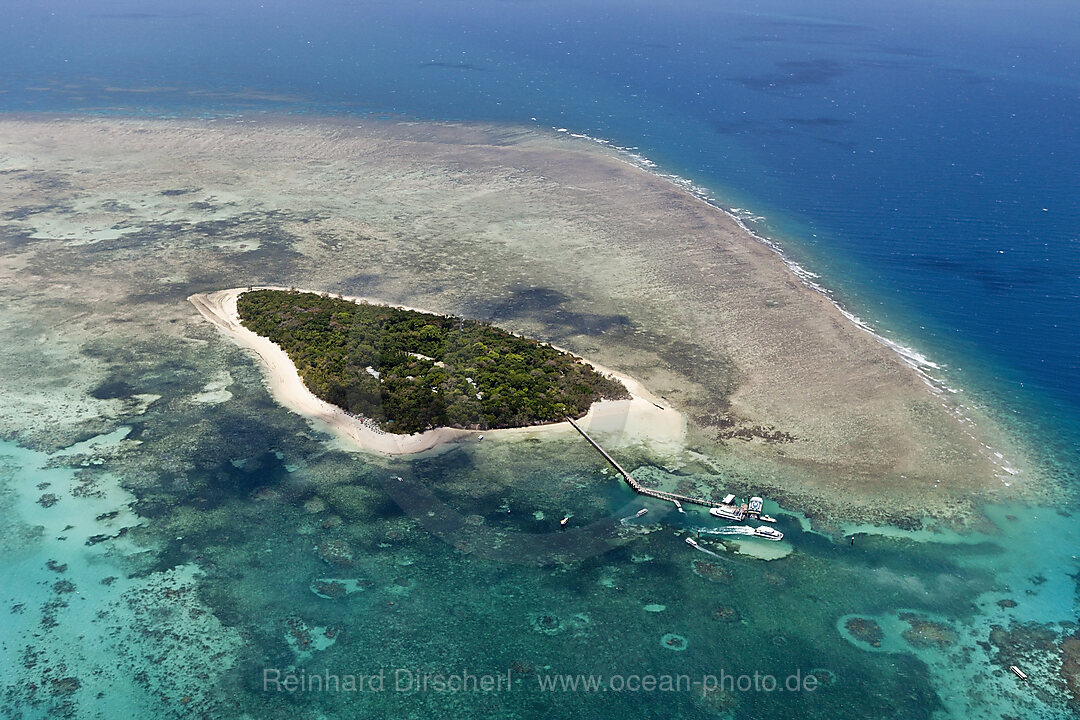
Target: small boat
(564,522)
(479,438)
(768,533)
(1018,672)
(641,512)
(767,518)
(692,542)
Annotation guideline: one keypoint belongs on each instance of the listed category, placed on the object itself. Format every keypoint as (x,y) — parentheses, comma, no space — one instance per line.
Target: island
(520,404)
(409,371)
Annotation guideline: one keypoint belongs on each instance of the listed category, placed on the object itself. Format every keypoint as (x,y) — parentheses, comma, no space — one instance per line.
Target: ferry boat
(728,512)
(768,533)
(692,542)
(756,506)
(728,509)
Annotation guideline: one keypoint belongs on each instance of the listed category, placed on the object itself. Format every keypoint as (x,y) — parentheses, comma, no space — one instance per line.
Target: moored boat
(728,512)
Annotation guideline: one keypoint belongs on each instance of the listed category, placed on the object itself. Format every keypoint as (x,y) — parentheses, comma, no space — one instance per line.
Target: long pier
(638,487)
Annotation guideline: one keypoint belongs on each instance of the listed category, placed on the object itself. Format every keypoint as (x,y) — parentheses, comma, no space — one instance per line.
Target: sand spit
(640,419)
(109,224)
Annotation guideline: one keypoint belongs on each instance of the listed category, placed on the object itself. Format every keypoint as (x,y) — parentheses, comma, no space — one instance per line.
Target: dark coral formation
(47,500)
(336,553)
(1070,667)
(726,614)
(927,633)
(328,589)
(865,630)
(711,571)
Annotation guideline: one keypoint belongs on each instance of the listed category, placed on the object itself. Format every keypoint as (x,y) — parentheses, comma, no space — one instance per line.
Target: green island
(411,371)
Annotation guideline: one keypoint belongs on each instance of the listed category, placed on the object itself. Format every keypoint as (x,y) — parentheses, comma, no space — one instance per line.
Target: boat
(564,522)
(767,518)
(692,542)
(756,506)
(768,533)
(641,512)
(1016,671)
(728,512)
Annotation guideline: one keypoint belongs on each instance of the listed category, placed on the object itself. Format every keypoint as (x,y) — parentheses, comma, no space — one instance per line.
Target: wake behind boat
(763,531)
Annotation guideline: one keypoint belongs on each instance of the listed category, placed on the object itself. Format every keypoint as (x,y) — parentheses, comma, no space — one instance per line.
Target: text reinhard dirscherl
(404,680)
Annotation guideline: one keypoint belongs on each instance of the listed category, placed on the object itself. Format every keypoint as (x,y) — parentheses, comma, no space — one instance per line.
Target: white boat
(728,512)
(756,506)
(641,512)
(1018,672)
(767,518)
(692,542)
(768,533)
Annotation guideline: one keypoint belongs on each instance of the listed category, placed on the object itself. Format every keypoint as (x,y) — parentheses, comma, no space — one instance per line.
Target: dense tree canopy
(411,371)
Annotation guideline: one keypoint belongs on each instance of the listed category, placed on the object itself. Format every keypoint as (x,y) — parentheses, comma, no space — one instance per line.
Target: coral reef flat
(109,223)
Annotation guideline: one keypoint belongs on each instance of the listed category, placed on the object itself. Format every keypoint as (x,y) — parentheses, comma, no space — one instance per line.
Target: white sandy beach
(643,418)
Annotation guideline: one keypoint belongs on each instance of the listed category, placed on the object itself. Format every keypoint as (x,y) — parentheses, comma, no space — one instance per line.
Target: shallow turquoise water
(473,577)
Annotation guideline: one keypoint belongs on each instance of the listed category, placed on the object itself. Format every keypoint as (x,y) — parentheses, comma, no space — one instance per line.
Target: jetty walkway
(637,487)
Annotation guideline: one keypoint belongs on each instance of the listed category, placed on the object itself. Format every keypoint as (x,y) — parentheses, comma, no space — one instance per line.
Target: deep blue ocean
(920,157)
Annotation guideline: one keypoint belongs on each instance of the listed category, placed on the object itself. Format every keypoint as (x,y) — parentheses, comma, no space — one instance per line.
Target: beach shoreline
(625,421)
